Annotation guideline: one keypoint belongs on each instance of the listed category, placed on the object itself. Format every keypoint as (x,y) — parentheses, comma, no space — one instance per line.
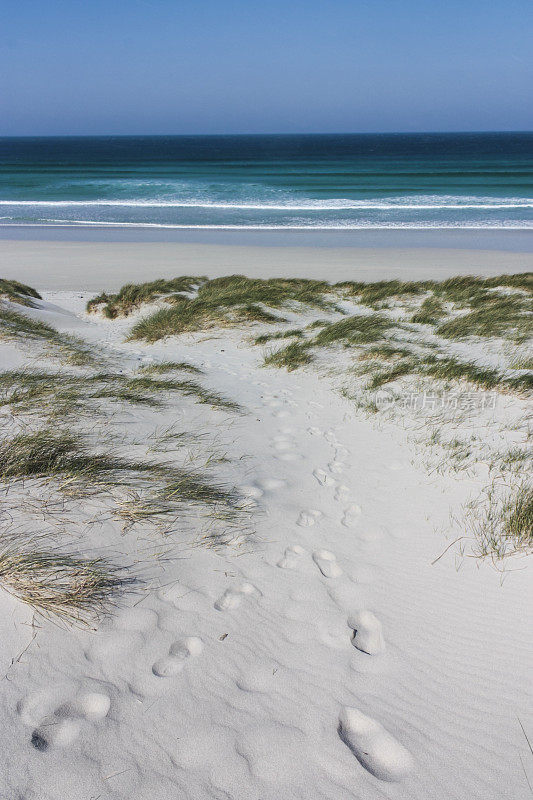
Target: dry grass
(19,327)
(52,452)
(60,394)
(18,292)
(503,524)
(59,584)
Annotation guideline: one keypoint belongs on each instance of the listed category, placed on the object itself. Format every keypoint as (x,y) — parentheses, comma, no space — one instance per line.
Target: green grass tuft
(291,357)
(503,526)
(430,312)
(164,367)
(267,337)
(132,295)
(378,293)
(18,292)
(228,301)
(358,329)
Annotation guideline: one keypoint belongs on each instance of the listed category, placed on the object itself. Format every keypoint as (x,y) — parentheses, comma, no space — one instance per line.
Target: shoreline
(107,265)
(508,239)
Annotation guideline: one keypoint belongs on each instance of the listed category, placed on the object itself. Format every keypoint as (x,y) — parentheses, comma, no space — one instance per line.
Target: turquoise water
(327,182)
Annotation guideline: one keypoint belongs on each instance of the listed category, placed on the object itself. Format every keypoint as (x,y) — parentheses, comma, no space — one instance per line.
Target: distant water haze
(271,182)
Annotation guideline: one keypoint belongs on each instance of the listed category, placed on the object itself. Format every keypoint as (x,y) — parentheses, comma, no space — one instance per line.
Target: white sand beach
(315,646)
(266,383)
(99,265)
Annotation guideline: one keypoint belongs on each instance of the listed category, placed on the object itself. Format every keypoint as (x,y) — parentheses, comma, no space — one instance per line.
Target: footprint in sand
(281,414)
(63,726)
(289,456)
(323,478)
(308,518)
(373,746)
(282,443)
(232,598)
(314,431)
(367,632)
(351,515)
(177,656)
(271,484)
(342,493)
(341,453)
(327,563)
(336,467)
(292,557)
(250,491)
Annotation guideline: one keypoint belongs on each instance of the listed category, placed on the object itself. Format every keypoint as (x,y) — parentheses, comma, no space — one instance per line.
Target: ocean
(278,182)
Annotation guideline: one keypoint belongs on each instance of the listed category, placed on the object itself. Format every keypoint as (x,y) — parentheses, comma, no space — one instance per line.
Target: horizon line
(277,133)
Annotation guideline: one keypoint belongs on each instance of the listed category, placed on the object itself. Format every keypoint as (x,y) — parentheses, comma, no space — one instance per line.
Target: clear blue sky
(225,66)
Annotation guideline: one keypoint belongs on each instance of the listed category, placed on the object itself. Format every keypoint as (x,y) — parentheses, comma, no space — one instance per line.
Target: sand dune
(322,656)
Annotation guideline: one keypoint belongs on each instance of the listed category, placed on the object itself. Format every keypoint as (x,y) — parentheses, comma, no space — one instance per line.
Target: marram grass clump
(133,295)
(59,584)
(193,304)
(503,524)
(19,327)
(18,292)
(67,458)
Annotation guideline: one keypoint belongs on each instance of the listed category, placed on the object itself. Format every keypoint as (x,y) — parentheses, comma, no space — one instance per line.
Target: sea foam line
(340,206)
(348,227)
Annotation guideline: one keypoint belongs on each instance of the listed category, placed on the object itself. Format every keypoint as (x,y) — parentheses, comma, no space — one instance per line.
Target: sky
(74,67)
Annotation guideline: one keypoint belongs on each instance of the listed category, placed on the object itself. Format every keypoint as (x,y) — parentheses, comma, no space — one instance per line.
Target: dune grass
(383,377)
(447,368)
(133,295)
(503,524)
(430,312)
(518,517)
(357,329)
(54,453)
(268,337)
(19,327)
(457,308)
(291,357)
(170,366)
(59,394)
(498,306)
(231,300)
(60,584)
(378,293)
(497,316)
(187,387)
(18,292)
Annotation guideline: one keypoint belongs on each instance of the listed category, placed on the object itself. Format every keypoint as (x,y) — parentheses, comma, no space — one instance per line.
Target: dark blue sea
(328,182)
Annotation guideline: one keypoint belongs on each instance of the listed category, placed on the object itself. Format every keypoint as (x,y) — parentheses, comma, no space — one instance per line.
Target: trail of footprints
(373,746)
